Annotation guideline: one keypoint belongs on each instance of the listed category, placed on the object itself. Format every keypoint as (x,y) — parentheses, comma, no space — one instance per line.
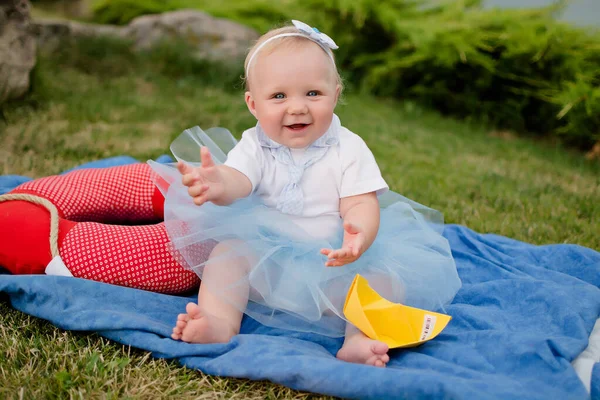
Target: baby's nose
(297,107)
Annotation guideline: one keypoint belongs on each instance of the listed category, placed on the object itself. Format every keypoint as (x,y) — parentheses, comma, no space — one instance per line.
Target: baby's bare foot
(198,327)
(358,348)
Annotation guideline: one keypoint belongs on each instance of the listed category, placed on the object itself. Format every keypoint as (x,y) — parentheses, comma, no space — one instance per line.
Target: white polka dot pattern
(114,195)
(132,256)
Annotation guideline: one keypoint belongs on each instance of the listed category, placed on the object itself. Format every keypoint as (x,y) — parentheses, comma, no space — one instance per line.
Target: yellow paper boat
(395,324)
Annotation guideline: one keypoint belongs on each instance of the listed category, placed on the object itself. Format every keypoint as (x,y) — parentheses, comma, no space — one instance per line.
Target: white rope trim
(53,215)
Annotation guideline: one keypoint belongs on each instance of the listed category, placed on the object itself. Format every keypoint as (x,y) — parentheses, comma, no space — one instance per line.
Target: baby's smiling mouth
(296,127)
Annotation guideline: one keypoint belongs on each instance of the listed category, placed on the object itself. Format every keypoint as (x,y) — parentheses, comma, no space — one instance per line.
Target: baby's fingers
(341,253)
(189,179)
(184,168)
(335,263)
(197,190)
(337,258)
(199,200)
(206,158)
(187,173)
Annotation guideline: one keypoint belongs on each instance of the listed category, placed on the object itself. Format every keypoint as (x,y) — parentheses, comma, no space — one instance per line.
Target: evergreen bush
(121,12)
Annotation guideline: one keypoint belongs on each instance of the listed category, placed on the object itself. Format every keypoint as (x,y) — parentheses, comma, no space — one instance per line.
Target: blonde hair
(291,36)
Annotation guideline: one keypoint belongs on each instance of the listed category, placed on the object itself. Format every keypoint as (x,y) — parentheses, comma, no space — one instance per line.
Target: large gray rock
(17,49)
(212,38)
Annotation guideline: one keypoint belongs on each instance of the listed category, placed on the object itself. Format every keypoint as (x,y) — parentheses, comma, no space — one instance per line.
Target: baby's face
(293,92)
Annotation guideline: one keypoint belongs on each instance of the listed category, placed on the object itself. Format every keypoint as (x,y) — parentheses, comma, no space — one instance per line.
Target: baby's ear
(250,103)
(338,91)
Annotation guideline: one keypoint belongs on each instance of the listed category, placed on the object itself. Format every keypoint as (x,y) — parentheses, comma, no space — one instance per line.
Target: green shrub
(515,69)
(121,12)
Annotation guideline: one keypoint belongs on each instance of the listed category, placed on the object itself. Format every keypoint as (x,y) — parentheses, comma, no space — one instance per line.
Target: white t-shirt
(347,169)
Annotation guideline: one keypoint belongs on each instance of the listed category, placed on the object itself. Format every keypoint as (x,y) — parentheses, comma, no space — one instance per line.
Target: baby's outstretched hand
(205,182)
(352,248)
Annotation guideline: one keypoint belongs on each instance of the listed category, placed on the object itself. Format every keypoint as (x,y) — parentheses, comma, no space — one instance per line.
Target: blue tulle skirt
(278,265)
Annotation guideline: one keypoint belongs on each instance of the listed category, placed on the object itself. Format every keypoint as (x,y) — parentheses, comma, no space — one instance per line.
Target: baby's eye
(279,96)
(312,93)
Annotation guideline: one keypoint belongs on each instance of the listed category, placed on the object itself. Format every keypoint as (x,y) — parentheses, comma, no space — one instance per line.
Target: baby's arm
(361,223)
(219,184)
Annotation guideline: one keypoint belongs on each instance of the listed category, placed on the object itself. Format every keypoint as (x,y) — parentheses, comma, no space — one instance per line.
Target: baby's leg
(358,348)
(213,319)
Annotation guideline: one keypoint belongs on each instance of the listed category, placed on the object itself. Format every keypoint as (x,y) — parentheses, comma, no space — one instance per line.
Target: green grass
(98,100)
(40,361)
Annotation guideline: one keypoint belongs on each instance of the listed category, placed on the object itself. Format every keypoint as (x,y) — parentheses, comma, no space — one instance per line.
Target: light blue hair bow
(306,31)
(315,34)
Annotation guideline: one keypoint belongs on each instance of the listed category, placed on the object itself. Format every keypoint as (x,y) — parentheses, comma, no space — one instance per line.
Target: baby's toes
(193,311)
(379,363)
(385,358)
(176,334)
(379,348)
(372,360)
(183,317)
(376,361)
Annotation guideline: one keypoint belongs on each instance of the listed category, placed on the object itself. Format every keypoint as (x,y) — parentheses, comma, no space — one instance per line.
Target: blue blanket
(524,312)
